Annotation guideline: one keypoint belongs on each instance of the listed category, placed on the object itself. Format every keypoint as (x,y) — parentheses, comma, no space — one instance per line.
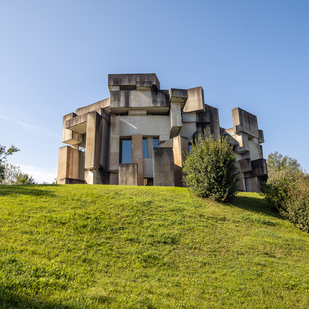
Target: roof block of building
(133,82)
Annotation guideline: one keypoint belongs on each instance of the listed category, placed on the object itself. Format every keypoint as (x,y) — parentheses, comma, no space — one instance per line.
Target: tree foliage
(210,169)
(3,154)
(276,162)
(14,176)
(287,189)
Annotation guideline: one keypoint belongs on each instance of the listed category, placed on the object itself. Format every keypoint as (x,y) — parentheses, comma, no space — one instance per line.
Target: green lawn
(92,246)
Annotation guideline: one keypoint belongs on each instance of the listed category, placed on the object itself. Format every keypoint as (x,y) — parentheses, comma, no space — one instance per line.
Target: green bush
(288,191)
(278,186)
(210,169)
(296,207)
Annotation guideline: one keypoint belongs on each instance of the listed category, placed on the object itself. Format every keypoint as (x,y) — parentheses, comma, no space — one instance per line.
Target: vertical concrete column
(180,145)
(137,156)
(163,166)
(68,136)
(149,147)
(68,162)
(114,144)
(93,141)
(175,116)
(105,145)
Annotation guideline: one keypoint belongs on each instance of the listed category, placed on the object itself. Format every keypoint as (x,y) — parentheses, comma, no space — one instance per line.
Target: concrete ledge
(93,107)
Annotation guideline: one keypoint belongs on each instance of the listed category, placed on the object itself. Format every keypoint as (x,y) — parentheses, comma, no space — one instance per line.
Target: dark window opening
(145,148)
(126,151)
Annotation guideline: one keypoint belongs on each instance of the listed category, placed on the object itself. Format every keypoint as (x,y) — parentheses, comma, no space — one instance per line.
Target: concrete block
(176,121)
(104,161)
(259,168)
(128,174)
(77,124)
(208,121)
(241,184)
(152,101)
(146,126)
(244,165)
(180,146)
(179,96)
(148,168)
(252,184)
(68,136)
(163,166)
(114,144)
(68,162)
(137,156)
(113,178)
(195,101)
(132,81)
(93,141)
(95,177)
(189,117)
(245,122)
(163,138)
(261,136)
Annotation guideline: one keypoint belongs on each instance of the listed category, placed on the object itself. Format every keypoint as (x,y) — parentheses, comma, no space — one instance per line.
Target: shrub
(278,186)
(210,169)
(288,191)
(296,208)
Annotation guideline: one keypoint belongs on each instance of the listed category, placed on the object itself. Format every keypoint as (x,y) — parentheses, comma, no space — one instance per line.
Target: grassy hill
(80,246)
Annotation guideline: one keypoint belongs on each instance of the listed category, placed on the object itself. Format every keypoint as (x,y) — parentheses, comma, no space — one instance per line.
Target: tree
(277,162)
(210,169)
(14,176)
(3,154)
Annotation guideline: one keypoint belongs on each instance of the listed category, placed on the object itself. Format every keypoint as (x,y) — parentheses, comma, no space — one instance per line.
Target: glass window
(155,142)
(190,149)
(126,151)
(145,148)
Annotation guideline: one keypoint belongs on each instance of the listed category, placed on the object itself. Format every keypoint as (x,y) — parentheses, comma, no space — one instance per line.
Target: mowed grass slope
(89,246)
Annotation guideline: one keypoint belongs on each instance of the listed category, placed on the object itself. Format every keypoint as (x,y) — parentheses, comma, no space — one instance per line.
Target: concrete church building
(138,135)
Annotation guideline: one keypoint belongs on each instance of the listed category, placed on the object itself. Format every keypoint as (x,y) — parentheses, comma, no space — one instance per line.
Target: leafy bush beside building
(210,169)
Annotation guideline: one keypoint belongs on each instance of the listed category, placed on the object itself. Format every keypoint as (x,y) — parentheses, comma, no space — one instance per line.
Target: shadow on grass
(11,300)
(26,190)
(256,205)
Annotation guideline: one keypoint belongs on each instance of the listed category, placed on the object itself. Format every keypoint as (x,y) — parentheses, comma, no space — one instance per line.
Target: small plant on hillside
(210,169)
(297,204)
(287,189)
(279,184)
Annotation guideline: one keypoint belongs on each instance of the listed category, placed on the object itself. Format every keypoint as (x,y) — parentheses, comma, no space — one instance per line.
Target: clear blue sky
(55,57)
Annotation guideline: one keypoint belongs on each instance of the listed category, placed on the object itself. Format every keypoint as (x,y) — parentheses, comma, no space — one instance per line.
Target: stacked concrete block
(160,125)
(128,174)
(163,167)
(68,163)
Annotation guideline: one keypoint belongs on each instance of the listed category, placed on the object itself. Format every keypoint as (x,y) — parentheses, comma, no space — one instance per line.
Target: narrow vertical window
(145,148)
(126,151)
(155,142)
